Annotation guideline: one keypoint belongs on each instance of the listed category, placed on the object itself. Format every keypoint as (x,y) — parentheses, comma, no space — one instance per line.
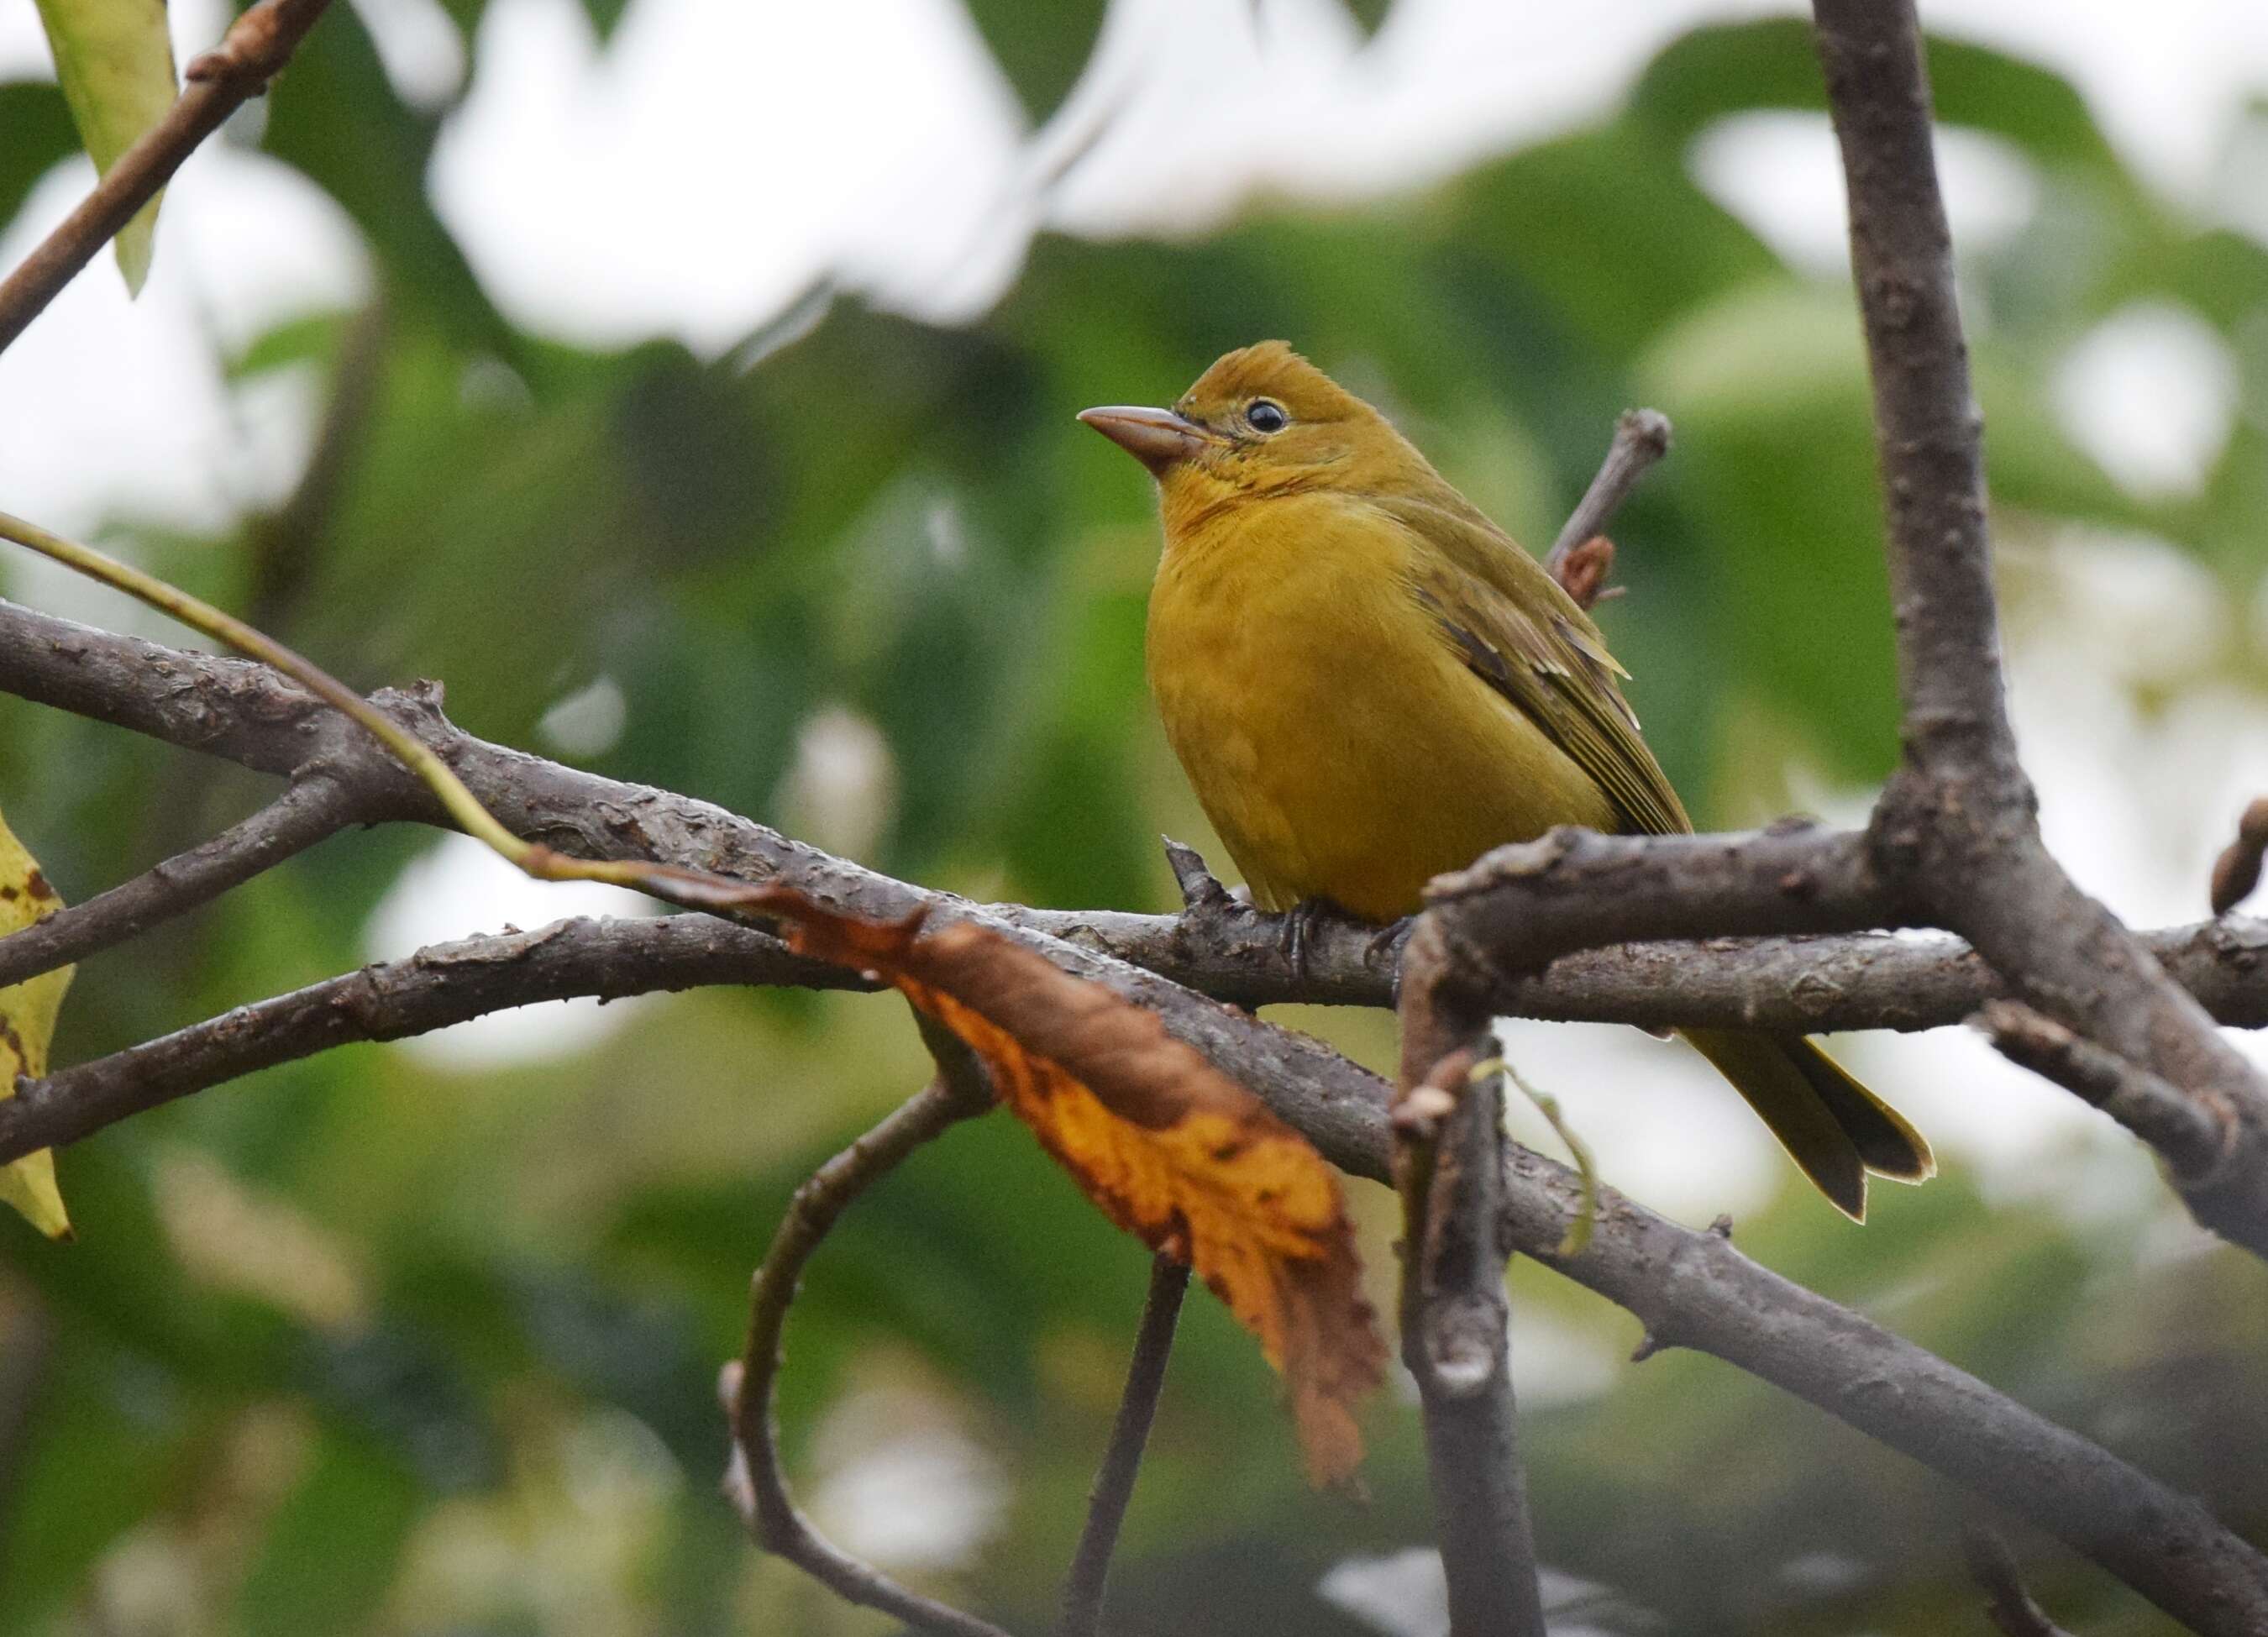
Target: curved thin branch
(756,1481)
(312,810)
(1088,1579)
(256,47)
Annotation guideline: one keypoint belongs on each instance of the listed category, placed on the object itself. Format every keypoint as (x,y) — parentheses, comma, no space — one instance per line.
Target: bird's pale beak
(1157,438)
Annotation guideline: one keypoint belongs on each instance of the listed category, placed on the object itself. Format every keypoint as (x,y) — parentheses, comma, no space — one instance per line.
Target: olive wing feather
(1520,634)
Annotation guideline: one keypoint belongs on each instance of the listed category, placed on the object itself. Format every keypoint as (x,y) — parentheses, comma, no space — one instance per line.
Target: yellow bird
(1369,683)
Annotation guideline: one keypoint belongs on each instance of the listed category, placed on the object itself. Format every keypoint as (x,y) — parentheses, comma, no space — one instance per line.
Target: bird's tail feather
(1834,1128)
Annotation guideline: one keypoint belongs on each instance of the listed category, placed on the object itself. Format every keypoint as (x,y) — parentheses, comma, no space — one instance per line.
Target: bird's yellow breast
(1333,736)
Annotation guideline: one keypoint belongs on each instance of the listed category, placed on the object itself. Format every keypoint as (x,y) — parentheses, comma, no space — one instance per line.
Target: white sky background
(876,141)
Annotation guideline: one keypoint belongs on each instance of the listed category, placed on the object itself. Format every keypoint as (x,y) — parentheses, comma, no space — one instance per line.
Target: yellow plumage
(1315,718)
(1369,683)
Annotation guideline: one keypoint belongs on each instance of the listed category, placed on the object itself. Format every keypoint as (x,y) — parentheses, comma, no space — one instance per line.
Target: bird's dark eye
(1266,414)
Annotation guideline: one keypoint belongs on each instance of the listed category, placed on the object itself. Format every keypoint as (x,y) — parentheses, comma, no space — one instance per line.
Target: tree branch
(1958,827)
(754,1481)
(1641,437)
(1696,1290)
(255,49)
(1688,1289)
(2193,1142)
(2007,1604)
(448,983)
(1448,1168)
(1521,907)
(1085,1585)
(312,810)
(1516,916)
(2236,872)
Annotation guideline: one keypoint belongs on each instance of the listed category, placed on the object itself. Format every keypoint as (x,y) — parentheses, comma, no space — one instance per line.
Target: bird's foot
(1385,947)
(1305,921)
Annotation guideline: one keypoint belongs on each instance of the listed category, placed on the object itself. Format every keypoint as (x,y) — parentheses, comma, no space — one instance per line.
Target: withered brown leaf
(1172,1149)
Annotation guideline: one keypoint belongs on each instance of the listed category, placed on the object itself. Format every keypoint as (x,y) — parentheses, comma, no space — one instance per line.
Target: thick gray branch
(1689,1289)
(1958,829)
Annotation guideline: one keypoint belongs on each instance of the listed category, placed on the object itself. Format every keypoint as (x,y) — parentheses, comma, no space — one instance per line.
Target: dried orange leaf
(27,1021)
(1172,1149)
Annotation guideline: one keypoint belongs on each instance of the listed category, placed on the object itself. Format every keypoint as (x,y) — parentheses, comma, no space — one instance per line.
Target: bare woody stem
(255,49)
(1448,1168)
(756,1482)
(2192,1141)
(312,810)
(1641,437)
(1688,1289)
(2007,1604)
(1958,828)
(1521,918)
(1088,1581)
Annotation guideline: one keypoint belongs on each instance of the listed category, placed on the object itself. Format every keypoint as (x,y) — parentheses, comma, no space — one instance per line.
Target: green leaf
(115,61)
(1769,382)
(336,117)
(330,1549)
(605,16)
(1041,49)
(1587,222)
(1369,15)
(39,134)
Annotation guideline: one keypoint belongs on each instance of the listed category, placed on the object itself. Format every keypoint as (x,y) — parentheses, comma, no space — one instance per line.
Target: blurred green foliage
(368,1345)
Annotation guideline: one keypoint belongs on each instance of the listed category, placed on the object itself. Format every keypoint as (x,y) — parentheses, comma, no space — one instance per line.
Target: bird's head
(1261,420)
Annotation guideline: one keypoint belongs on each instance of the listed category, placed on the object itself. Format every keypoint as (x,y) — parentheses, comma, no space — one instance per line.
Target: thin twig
(2007,1604)
(1641,437)
(756,1482)
(2236,872)
(2193,1142)
(446,983)
(256,47)
(1086,1583)
(313,809)
(1448,1166)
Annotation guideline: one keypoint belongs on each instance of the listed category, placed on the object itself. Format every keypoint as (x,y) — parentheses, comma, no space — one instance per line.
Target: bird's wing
(1520,632)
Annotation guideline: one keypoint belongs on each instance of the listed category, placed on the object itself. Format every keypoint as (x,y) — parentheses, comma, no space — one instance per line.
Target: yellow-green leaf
(116,61)
(28,1022)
